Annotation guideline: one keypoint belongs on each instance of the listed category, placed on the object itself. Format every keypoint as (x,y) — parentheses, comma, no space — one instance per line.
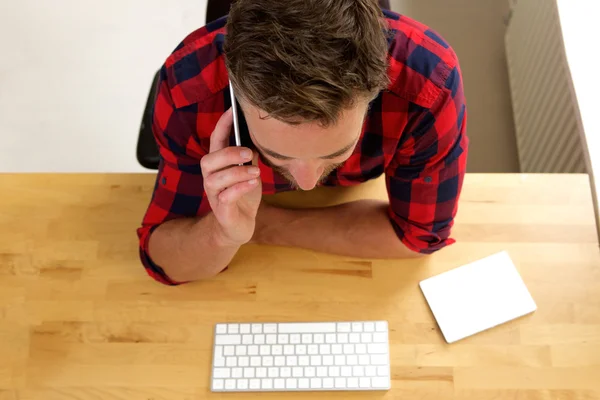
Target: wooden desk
(80,320)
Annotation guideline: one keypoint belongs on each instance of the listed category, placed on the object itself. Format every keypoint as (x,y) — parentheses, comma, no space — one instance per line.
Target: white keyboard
(301,357)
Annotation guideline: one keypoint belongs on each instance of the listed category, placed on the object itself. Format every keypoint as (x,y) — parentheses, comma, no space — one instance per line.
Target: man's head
(304,72)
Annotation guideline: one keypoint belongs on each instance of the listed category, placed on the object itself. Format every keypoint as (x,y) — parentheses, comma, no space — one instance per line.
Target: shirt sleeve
(179,187)
(425,179)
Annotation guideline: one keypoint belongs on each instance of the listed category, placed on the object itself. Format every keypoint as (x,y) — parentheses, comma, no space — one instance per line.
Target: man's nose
(307,174)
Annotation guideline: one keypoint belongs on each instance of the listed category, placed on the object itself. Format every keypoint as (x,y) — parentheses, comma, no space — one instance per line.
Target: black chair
(147,151)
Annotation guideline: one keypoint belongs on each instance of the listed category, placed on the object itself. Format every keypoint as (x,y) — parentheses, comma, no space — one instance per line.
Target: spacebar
(318,327)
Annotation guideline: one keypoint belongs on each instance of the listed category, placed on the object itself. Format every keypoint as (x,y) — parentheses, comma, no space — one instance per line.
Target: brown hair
(306,60)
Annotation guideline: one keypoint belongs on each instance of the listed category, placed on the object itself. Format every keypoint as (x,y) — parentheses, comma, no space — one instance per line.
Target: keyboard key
(221,329)
(306,338)
(346,371)
(334,371)
(366,338)
(370,370)
(330,338)
(273,372)
(340,383)
(354,338)
(259,339)
(303,383)
(228,350)
(253,350)
(336,349)
(271,339)
(364,359)
(316,383)
(297,372)
(279,361)
(360,348)
(291,383)
(342,338)
(327,360)
(364,382)
(267,361)
(348,349)
(270,328)
(279,383)
(325,349)
(315,360)
(377,348)
(352,383)
(310,372)
(285,372)
(266,384)
(230,384)
(357,327)
(233,328)
(379,359)
(369,327)
(288,349)
(249,372)
(247,339)
(380,382)
(218,351)
(321,327)
(328,383)
(300,349)
(283,339)
(277,350)
(343,327)
(222,373)
(352,359)
(383,371)
(256,328)
(261,372)
(255,361)
(322,372)
(358,370)
(242,384)
(231,362)
(304,360)
(265,350)
(228,339)
(313,349)
(218,384)
(292,361)
(245,328)
(219,361)
(380,337)
(295,338)
(340,360)
(254,383)
(381,326)
(319,338)
(240,350)
(237,372)
(243,361)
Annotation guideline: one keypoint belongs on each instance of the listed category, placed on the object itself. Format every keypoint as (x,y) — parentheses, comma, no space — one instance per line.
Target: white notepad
(477,296)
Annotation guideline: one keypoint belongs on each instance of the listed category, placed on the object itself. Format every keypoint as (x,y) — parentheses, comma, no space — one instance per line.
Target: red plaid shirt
(415,134)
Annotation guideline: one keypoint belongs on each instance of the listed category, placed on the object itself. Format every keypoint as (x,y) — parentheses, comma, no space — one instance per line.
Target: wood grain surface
(80,320)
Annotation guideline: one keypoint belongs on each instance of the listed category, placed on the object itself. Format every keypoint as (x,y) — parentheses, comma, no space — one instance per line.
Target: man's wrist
(269,220)
(217,236)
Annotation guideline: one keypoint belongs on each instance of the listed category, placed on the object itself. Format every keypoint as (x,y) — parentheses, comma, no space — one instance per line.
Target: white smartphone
(236,124)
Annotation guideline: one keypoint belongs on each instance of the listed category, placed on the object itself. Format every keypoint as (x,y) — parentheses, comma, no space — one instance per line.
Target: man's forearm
(190,249)
(357,229)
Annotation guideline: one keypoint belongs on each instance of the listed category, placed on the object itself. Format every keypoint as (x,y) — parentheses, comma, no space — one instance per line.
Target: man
(333,92)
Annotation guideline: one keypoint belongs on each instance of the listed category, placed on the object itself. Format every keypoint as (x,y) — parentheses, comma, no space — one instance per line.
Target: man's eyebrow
(278,156)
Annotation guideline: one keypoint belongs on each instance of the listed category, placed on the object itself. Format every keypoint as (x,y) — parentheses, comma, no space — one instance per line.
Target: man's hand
(234,191)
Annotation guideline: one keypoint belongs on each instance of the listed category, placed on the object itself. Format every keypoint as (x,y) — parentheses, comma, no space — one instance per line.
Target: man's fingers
(219,181)
(234,193)
(219,139)
(224,158)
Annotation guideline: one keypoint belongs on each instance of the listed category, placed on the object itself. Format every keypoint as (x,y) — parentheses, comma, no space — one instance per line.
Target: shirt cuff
(418,239)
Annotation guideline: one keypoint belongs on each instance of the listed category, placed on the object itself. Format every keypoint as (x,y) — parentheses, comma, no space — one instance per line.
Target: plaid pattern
(415,134)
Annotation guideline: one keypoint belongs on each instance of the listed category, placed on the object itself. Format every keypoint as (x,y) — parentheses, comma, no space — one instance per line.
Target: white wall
(74,77)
